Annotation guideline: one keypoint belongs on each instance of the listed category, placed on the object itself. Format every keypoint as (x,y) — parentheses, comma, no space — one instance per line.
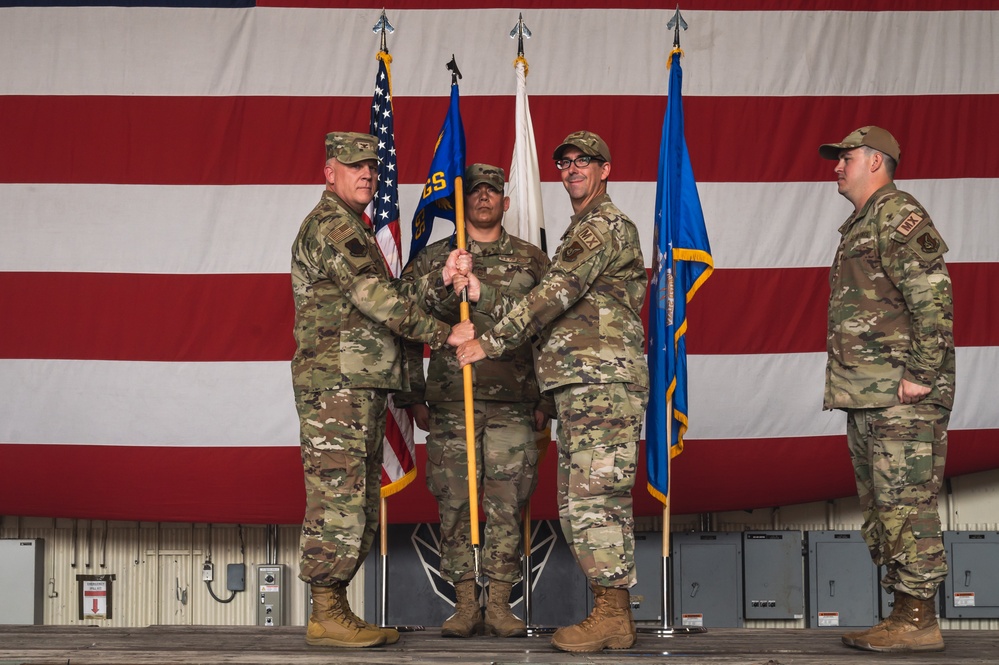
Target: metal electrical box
(843,587)
(647,594)
(271,595)
(22,581)
(707,580)
(774,574)
(971,589)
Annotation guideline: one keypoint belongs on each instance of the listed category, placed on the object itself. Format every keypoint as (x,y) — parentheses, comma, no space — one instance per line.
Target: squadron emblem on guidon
(426,541)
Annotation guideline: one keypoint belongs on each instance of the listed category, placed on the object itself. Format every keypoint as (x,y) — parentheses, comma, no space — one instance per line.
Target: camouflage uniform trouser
(898,459)
(506,459)
(341,440)
(599,426)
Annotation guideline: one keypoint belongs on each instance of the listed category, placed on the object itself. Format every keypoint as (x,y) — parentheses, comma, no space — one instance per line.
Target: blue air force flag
(681,264)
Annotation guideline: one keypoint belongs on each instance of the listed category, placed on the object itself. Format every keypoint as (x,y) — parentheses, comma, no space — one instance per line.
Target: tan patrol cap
(351,147)
(587,142)
(871,136)
(491,175)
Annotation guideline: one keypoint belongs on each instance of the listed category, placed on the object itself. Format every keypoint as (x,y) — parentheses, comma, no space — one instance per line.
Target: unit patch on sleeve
(355,247)
(572,252)
(929,243)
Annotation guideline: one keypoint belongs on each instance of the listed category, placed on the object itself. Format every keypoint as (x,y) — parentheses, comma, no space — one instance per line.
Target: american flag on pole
(398,451)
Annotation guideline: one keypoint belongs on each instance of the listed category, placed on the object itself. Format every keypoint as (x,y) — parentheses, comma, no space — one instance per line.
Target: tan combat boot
(609,626)
(332,624)
(499,619)
(912,626)
(467,618)
(391,634)
(850,639)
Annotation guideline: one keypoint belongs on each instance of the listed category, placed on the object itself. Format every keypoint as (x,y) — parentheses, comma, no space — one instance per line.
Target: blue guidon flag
(682,262)
(446,167)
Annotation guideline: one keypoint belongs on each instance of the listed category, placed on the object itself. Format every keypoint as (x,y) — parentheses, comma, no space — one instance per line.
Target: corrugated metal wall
(157,568)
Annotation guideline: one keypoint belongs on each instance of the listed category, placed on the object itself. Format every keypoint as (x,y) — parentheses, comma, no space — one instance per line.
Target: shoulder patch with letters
(589,238)
(909,223)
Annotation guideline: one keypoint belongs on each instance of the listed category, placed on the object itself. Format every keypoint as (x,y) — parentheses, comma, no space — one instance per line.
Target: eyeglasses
(580,162)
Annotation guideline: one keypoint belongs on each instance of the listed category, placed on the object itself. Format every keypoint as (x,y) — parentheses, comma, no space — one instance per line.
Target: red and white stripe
(156,164)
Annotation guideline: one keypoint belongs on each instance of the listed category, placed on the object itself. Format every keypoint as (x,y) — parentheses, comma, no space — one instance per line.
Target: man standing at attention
(509,411)
(891,369)
(587,310)
(348,316)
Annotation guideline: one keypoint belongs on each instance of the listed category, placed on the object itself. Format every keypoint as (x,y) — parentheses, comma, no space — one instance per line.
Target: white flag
(526,217)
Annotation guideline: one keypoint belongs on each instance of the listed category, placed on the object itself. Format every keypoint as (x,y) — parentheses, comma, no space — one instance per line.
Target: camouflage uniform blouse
(509,265)
(348,311)
(891,314)
(592,297)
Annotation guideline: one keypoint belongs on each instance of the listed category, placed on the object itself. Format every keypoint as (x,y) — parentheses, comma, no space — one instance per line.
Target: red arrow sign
(95,606)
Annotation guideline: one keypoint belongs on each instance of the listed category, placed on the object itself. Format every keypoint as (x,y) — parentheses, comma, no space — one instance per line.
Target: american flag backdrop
(156,161)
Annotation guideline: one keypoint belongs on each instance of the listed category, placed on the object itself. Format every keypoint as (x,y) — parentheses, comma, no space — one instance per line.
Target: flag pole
(466,372)
(522,177)
(382,27)
(383,563)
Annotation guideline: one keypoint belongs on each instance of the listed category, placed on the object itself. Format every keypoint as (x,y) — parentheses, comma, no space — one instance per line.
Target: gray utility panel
(843,587)
(272,581)
(707,580)
(971,589)
(773,574)
(22,581)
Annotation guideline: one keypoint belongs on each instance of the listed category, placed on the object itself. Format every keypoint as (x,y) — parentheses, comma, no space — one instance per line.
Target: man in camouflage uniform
(891,368)
(509,411)
(348,314)
(587,311)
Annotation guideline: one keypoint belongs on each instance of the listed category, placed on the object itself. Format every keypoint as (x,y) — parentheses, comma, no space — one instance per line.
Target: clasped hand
(456,269)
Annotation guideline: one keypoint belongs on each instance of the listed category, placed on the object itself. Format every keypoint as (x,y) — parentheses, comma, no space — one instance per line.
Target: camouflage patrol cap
(491,175)
(871,136)
(587,142)
(351,147)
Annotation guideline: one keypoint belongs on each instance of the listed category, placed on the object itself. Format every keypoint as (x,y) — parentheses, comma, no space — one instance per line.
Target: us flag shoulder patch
(339,234)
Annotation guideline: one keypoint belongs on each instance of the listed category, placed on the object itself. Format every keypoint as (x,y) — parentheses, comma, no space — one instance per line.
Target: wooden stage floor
(183,645)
